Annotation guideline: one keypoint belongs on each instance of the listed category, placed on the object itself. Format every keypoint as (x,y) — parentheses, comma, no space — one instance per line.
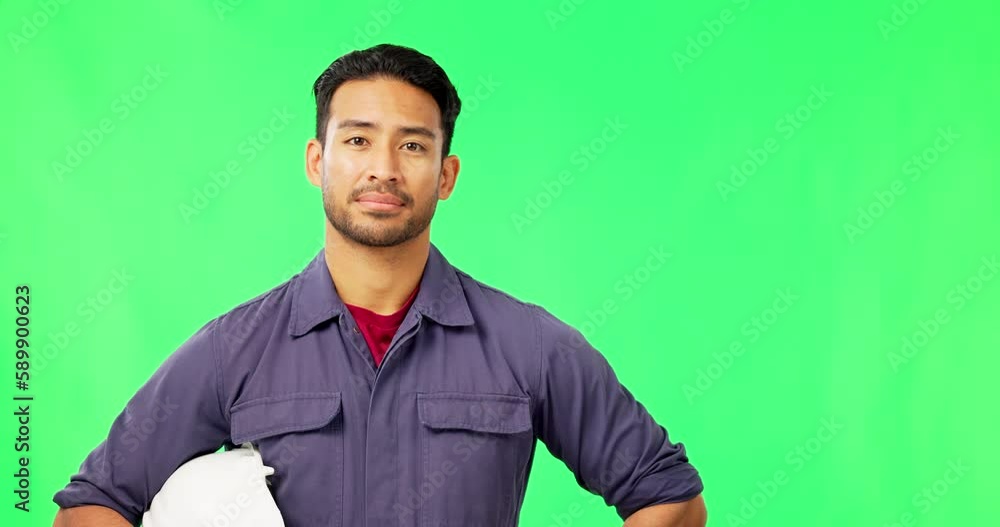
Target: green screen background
(591,135)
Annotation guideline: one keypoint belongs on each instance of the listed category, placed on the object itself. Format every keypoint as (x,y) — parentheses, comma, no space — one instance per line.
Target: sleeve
(595,426)
(175,416)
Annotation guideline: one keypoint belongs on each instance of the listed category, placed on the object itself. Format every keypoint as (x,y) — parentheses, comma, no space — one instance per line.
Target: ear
(449,175)
(314,162)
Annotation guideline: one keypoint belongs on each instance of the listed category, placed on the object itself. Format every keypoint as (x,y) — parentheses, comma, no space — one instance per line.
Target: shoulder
(254,319)
(485,299)
(523,316)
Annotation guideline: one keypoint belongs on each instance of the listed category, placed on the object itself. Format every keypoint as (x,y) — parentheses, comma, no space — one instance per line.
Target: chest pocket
(301,436)
(476,448)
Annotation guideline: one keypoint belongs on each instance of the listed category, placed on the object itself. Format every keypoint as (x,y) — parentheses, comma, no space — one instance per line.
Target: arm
(689,513)
(174,416)
(593,424)
(90,516)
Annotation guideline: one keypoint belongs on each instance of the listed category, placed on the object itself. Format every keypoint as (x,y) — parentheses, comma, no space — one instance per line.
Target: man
(383,385)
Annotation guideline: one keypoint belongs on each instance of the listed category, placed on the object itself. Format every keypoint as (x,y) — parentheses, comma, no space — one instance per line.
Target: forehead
(390,102)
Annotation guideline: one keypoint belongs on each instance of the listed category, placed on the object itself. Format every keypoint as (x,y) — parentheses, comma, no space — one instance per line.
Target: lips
(375,197)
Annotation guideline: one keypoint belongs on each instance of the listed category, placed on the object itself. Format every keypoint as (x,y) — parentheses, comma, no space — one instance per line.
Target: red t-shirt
(379,329)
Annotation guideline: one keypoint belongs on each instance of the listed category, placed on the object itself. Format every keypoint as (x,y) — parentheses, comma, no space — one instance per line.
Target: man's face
(381,170)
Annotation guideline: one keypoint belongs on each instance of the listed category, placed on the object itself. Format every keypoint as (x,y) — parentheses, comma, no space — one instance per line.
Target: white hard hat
(224,488)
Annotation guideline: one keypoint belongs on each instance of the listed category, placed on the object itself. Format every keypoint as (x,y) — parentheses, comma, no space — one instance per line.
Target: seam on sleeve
(219,381)
(536,315)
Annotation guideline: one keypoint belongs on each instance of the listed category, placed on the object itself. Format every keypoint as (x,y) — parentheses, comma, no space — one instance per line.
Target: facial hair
(374,228)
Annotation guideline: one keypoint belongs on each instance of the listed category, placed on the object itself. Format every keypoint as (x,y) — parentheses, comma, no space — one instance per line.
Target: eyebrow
(405,130)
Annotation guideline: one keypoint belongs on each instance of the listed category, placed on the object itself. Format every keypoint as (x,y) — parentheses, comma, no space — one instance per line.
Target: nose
(384,163)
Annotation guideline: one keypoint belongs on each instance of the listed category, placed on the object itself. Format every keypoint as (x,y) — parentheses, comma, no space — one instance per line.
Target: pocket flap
(499,414)
(267,416)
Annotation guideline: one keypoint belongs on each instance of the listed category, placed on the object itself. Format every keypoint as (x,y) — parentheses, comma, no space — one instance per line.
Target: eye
(417,147)
(352,141)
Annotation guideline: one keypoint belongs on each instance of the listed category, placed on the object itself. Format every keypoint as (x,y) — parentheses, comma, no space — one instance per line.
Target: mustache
(400,195)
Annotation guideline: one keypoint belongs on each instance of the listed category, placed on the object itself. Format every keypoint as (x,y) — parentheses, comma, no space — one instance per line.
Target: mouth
(377,201)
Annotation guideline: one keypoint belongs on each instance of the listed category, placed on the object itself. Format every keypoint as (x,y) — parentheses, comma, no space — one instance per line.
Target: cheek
(342,165)
(340,173)
(429,194)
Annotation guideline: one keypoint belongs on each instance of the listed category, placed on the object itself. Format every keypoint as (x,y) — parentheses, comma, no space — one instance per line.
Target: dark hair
(392,62)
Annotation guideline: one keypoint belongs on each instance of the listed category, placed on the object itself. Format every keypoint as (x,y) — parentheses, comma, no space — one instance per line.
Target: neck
(379,279)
